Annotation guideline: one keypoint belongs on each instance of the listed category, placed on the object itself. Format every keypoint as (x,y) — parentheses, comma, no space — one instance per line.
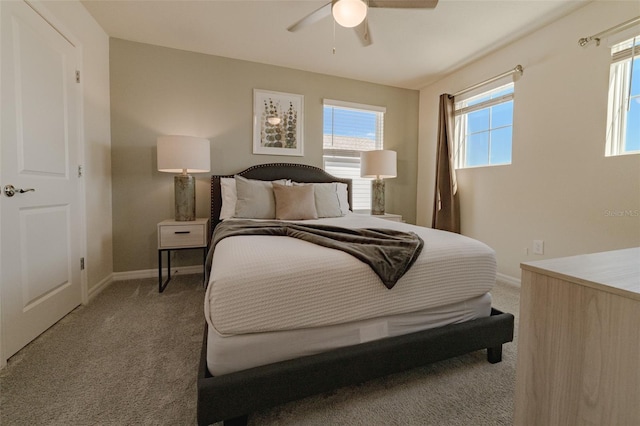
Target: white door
(40,230)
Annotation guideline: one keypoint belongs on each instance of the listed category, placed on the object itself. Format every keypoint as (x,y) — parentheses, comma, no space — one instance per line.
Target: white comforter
(267,283)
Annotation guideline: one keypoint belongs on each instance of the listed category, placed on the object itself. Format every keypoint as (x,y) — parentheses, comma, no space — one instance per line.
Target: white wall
(559,186)
(97,136)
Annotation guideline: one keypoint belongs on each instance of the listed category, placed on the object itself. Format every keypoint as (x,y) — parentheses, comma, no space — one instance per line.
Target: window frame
(625,64)
(463,107)
(350,158)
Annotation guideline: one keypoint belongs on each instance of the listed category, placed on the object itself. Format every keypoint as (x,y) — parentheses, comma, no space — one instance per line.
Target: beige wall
(158,91)
(560,186)
(97,138)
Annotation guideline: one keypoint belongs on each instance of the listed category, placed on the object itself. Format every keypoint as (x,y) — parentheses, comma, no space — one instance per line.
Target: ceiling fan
(352,14)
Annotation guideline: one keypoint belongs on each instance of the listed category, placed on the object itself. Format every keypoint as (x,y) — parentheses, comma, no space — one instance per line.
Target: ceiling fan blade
(312,18)
(363,32)
(404,4)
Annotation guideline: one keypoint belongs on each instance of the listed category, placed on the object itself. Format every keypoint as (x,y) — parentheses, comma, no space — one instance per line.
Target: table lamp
(184,155)
(378,164)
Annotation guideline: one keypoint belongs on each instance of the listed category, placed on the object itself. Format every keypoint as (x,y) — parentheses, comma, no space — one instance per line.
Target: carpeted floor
(130,357)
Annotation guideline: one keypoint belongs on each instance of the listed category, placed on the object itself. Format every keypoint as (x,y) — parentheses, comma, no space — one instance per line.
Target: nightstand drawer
(390,216)
(386,216)
(173,235)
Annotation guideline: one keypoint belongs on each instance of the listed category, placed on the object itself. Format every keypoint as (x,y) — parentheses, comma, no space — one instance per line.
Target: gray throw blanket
(388,252)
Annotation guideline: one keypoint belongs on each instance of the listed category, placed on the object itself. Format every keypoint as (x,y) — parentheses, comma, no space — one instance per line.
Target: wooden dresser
(579,341)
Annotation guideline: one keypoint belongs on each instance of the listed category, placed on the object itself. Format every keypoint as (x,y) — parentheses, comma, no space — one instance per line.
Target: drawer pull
(182,232)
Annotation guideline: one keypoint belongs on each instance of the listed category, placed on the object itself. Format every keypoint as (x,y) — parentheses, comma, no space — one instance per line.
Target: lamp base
(377,197)
(185,197)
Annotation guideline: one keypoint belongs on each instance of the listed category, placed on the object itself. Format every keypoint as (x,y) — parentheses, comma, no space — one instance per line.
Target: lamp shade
(179,153)
(349,13)
(378,164)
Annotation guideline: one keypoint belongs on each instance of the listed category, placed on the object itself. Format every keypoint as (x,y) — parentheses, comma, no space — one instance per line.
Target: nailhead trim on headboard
(274,171)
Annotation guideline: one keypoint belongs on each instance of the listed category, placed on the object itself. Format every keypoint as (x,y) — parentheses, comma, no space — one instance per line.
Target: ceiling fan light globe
(349,13)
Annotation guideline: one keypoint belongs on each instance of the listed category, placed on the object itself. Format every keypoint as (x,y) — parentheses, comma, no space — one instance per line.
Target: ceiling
(411,48)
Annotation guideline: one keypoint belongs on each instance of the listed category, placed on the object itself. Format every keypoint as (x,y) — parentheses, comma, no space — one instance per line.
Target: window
(483,128)
(348,130)
(623,113)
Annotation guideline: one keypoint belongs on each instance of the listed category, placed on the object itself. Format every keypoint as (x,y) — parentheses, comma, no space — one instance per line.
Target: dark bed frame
(232,397)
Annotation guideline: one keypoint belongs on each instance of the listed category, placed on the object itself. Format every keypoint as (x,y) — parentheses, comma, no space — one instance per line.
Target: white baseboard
(153,273)
(97,289)
(132,275)
(506,279)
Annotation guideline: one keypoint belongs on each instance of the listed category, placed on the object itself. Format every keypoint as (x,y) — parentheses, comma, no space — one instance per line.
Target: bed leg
(236,421)
(494,355)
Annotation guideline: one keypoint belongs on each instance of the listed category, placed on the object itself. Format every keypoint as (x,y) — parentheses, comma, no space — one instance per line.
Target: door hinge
(82,263)
(80,170)
(77,76)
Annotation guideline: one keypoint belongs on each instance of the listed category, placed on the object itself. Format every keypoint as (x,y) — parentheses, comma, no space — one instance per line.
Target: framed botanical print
(277,123)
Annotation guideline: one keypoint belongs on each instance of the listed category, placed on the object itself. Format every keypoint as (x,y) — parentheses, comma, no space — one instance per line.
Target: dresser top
(615,271)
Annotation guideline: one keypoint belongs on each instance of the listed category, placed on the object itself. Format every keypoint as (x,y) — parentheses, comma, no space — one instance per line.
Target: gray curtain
(446,210)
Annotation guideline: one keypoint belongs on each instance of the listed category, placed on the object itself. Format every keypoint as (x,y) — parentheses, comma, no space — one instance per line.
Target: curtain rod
(518,69)
(621,27)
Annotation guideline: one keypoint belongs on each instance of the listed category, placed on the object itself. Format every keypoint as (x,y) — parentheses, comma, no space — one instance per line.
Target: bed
(291,351)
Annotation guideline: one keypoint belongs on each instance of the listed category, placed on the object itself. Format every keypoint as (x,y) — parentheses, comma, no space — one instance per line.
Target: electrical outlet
(538,247)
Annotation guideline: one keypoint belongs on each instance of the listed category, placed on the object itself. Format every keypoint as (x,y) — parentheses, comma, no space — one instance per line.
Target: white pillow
(229,198)
(343,198)
(327,202)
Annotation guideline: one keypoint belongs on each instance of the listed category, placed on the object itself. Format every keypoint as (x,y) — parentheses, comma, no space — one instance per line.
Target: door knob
(10,190)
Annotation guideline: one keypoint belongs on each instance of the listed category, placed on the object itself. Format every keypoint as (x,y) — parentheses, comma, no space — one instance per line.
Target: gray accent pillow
(255,199)
(294,202)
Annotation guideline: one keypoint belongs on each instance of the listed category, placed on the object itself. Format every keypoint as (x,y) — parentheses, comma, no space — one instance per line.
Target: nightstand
(187,235)
(389,216)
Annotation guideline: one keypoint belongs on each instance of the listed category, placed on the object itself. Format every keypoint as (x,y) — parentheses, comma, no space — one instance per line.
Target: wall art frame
(278,123)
